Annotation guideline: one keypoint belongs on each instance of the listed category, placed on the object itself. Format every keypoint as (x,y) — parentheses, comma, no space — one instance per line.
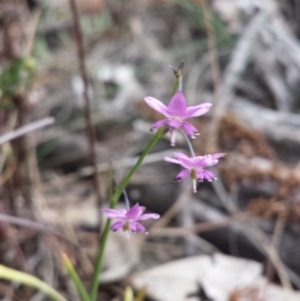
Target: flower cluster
(195,166)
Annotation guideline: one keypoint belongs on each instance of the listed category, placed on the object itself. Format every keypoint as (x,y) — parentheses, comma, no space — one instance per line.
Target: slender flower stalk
(188,143)
(194,167)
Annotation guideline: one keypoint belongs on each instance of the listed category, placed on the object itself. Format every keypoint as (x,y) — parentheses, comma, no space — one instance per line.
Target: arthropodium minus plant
(176,113)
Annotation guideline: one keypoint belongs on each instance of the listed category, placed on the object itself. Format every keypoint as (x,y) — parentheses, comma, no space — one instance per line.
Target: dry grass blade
(26,129)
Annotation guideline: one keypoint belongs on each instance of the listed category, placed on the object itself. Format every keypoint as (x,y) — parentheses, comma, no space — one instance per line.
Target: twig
(5,218)
(278,231)
(26,129)
(84,76)
(272,253)
(197,228)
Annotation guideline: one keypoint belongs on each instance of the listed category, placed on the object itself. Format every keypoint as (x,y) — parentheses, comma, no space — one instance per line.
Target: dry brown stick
(198,228)
(278,231)
(84,75)
(272,253)
(18,221)
(26,129)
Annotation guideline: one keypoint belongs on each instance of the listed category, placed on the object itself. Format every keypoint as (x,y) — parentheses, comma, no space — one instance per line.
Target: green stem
(113,202)
(29,280)
(76,279)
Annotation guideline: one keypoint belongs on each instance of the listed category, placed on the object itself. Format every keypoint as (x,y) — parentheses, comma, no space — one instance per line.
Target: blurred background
(241,55)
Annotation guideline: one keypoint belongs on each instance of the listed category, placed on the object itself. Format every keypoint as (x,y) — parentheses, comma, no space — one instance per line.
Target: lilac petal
(171,160)
(177,105)
(200,175)
(158,106)
(199,161)
(134,212)
(141,210)
(174,124)
(184,159)
(189,129)
(159,124)
(115,213)
(183,174)
(205,175)
(197,110)
(210,160)
(117,226)
(208,175)
(149,216)
(137,227)
(218,155)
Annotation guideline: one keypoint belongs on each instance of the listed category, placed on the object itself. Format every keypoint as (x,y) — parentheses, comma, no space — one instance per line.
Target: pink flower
(176,112)
(128,219)
(195,167)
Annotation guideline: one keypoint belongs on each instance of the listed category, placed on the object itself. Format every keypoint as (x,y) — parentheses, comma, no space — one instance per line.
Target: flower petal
(183,174)
(189,129)
(211,160)
(171,160)
(141,209)
(117,226)
(199,175)
(198,110)
(159,124)
(149,216)
(205,175)
(199,161)
(174,124)
(208,175)
(115,213)
(134,212)
(186,161)
(137,227)
(177,105)
(218,155)
(157,105)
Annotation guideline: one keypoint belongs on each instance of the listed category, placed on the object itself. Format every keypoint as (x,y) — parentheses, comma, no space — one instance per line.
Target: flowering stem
(113,202)
(188,143)
(29,280)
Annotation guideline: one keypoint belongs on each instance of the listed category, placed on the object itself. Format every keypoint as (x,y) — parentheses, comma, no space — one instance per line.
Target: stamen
(194,185)
(173,138)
